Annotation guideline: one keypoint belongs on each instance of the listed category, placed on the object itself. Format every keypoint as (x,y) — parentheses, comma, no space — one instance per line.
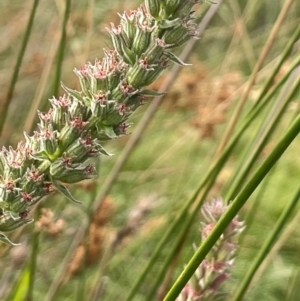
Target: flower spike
(69,135)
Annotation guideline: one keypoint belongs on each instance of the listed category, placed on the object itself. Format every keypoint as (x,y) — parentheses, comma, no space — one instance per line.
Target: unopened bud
(141,41)
(172,5)
(153,7)
(176,36)
(67,172)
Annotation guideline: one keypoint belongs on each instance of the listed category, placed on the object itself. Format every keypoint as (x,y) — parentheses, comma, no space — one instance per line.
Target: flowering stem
(69,134)
(266,247)
(233,209)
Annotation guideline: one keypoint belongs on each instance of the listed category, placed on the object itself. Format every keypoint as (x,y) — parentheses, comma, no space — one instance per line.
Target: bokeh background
(165,167)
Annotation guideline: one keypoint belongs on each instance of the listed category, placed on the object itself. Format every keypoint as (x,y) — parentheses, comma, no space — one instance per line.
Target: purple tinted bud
(171,6)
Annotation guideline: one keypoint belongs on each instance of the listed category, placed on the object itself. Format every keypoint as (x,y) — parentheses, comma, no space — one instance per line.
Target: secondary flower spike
(71,132)
(215,268)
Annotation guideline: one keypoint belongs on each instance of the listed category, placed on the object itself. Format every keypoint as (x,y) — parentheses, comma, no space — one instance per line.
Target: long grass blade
(61,49)
(4,106)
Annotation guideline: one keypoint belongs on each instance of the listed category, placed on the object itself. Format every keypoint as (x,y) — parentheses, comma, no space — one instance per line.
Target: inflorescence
(215,268)
(71,132)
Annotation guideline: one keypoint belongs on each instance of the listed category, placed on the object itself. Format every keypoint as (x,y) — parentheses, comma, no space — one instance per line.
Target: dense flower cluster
(70,133)
(215,268)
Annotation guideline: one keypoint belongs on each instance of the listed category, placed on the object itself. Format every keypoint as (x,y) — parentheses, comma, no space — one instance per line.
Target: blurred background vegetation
(165,167)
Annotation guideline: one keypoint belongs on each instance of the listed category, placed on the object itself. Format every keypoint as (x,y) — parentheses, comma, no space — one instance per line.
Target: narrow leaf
(174,58)
(5,239)
(64,190)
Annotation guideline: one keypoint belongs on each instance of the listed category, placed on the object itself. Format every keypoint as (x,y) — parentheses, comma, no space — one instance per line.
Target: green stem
(62,45)
(233,209)
(250,215)
(33,260)
(5,104)
(266,247)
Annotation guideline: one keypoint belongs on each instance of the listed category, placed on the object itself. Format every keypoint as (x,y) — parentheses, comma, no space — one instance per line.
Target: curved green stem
(234,208)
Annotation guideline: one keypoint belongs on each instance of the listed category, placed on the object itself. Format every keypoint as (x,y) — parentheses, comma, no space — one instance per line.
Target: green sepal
(103,151)
(84,82)
(172,6)
(5,240)
(128,55)
(175,58)
(153,7)
(11,223)
(166,24)
(141,41)
(40,156)
(63,190)
(108,131)
(74,93)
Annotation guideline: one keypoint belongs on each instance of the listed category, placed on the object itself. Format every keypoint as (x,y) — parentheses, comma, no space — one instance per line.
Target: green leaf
(165,24)
(175,58)
(41,155)
(128,55)
(108,131)
(103,151)
(5,239)
(74,93)
(64,190)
